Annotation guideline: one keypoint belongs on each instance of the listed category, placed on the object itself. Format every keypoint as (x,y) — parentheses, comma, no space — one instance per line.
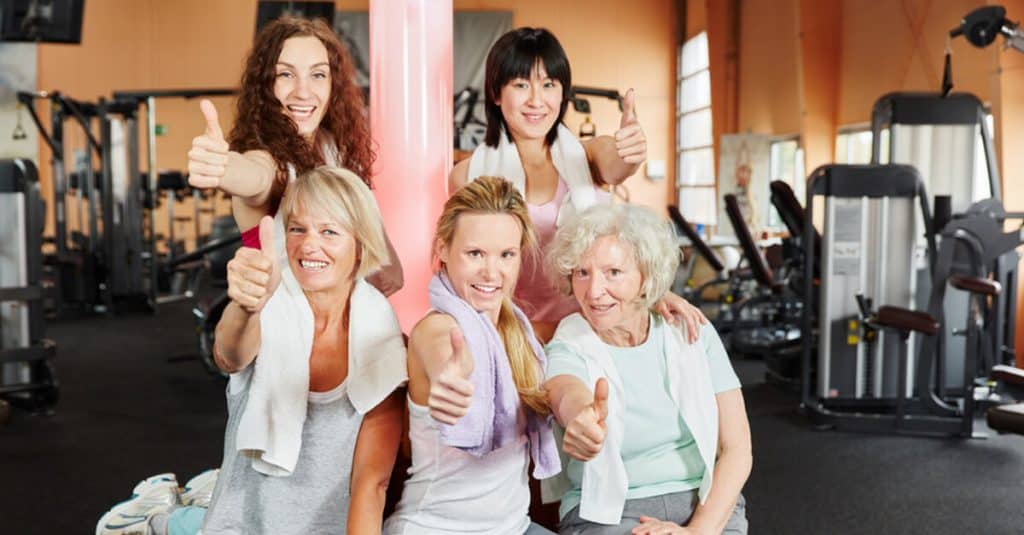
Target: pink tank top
(535,293)
(251,237)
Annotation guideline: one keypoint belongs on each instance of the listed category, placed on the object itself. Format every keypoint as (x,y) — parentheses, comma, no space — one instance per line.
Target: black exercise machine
(718,308)
(28,376)
(75,267)
(765,324)
(146,268)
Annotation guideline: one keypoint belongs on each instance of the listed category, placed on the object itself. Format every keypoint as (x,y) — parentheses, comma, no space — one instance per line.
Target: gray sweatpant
(677,507)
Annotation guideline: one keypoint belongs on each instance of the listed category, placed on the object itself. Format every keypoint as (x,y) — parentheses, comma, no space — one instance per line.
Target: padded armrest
(1008,374)
(976,285)
(907,320)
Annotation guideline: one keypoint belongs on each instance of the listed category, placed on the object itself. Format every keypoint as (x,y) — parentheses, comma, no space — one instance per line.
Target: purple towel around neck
(492,419)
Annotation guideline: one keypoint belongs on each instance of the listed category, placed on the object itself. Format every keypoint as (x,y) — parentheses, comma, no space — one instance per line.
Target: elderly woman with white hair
(662,443)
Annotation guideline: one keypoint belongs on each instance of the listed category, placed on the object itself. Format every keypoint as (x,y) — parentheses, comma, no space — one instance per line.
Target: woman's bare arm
(372,463)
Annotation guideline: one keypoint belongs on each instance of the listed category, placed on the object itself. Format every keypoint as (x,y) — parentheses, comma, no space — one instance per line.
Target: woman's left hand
(672,305)
(630,141)
(653,526)
(386,281)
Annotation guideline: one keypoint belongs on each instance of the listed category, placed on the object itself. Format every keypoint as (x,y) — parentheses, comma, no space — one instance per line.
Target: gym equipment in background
(881,369)
(971,248)
(74,268)
(137,267)
(730,283)
(469,130)
(582,105)
(947,139)
(767,323)
(1008,418)
(868,249)
(27,374)
(792,215)
(981,27)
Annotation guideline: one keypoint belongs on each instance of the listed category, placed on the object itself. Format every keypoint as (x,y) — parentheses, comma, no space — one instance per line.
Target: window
(853,144)
(695,158)
(934,148)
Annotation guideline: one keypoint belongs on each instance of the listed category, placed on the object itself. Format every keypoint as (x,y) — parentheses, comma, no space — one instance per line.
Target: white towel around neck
(568,156)
(605,482)
(270,429)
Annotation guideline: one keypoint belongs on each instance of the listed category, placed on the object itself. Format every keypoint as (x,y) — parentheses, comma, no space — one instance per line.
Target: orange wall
(898,45)
(768,81)
(818,68)
(696,17)
(723,59)
(811,66)
(134,45)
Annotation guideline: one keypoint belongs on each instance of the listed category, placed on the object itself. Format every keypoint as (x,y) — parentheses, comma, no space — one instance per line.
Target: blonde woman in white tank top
(480,488)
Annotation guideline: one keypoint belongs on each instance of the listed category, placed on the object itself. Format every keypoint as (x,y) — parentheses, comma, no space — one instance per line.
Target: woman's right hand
(253,274)
(208,158)
(451,392)
(585,434)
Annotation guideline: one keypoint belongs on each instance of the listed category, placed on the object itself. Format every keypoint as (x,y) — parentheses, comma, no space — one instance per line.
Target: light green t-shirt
(658,449)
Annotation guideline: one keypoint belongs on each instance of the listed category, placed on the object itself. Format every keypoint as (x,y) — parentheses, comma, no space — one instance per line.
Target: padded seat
(1006,418)
(906,320)
(976,285)
(1011,375)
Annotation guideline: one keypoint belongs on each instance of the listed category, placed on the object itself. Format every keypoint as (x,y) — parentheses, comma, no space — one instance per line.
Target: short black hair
(514,55)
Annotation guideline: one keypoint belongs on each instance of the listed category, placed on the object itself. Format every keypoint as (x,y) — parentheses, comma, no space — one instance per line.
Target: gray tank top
(314,499)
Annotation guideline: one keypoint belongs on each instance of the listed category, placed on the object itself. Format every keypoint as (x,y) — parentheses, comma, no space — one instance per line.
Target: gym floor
(134,401)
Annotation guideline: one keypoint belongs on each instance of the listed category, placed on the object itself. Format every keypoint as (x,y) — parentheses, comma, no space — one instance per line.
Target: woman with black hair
(527,88)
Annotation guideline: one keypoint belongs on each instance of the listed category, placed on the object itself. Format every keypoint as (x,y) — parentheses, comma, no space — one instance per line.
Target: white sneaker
(152,481)
(199,490)
(132,517)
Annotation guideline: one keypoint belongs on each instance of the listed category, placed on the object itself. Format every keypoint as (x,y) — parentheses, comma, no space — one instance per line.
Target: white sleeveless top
(450,491)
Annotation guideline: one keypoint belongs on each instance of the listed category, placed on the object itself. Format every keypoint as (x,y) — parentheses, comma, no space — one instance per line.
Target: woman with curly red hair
(299,108)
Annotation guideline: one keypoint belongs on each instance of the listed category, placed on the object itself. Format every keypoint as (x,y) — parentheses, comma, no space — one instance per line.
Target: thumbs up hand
(584,436)
(208,158)
(253,274)
(451,393)
(630,141)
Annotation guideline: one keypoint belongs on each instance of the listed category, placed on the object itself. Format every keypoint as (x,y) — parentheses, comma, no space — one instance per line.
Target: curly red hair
(261,122)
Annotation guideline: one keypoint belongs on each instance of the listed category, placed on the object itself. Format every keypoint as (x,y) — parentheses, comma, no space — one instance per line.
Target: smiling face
(607,284)
(302,82)
(483,259)
(321,253)
(531,105)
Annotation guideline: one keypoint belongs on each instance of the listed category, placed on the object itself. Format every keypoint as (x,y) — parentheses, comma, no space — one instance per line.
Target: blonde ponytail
(526,372)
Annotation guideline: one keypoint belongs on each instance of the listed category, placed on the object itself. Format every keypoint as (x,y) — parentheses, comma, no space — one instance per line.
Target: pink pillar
(411,121)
